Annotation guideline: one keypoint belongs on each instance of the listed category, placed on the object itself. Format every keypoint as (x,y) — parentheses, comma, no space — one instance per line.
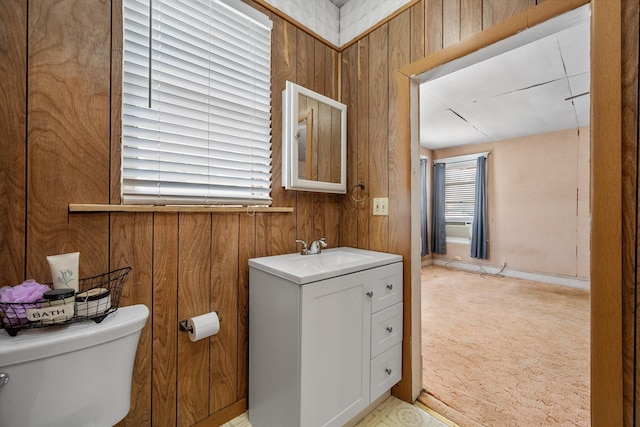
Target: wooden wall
(630,210)
(60,63)
(59,106)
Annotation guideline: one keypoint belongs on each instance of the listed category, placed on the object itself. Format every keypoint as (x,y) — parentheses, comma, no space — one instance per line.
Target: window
(196,103)
(460,187)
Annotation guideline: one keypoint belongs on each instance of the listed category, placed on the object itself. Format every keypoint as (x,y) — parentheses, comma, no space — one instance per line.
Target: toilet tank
(73,375)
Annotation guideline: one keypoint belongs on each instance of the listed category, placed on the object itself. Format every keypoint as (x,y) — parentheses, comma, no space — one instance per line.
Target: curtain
(479,228)
(424,232)
(438,229)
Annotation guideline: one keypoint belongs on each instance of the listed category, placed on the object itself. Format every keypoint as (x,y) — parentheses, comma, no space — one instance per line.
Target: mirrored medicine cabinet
(314,141)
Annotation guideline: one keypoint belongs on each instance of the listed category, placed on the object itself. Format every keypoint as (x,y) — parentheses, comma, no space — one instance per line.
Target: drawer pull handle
(390,286)
(388,371)
(370,294)
(389,329)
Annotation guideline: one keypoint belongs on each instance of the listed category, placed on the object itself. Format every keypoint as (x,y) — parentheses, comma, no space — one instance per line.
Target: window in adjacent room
(460,187)
(196,103)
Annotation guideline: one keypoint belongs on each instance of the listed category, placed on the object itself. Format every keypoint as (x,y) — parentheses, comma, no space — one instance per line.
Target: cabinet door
(335,336)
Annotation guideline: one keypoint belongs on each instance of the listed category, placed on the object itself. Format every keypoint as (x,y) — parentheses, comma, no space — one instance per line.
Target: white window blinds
(460,188)
(196,103)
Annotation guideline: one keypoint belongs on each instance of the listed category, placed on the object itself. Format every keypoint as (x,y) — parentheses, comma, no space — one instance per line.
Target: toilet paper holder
(183,325)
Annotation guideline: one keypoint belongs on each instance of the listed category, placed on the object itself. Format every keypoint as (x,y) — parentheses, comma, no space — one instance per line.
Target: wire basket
(97,297)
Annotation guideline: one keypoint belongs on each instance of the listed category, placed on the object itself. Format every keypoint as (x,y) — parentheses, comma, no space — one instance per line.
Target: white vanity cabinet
(320,351)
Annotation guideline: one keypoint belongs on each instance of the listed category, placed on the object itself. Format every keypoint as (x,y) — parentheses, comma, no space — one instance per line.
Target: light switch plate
(381,206)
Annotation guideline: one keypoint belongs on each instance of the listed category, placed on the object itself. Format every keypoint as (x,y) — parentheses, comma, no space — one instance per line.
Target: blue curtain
(479,229)
(438,228)
(424,231)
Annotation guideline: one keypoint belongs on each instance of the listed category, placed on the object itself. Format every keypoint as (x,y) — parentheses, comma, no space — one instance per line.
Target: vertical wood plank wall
(630,210)
(59,109)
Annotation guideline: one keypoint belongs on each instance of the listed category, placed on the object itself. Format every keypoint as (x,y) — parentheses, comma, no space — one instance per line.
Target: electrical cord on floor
(446,265)
(483,273)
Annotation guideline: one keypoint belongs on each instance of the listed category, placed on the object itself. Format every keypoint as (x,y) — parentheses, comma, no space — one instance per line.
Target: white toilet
(74,375)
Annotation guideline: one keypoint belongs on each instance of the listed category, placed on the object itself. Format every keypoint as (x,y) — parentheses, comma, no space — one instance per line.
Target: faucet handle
(304,250)
(317,245)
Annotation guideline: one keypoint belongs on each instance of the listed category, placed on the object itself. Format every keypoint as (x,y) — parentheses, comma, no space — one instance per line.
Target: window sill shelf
(89,207)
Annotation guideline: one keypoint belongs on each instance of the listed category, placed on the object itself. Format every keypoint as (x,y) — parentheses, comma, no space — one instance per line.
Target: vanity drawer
(386,329)
(386,371)
(386,286)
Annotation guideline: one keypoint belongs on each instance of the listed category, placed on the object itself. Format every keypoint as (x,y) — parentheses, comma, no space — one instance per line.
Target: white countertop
(302,269)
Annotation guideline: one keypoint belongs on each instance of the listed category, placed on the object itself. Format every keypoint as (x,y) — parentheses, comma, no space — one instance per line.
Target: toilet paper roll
(203,326)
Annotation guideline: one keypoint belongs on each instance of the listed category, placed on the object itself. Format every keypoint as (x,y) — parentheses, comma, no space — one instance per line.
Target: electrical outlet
(458,258)
(381,206)
(504,261)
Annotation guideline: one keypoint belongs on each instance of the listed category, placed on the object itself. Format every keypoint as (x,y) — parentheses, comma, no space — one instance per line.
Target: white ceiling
(529,90)
(339,3)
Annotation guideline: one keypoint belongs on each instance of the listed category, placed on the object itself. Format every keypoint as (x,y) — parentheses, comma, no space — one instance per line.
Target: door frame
(606,191)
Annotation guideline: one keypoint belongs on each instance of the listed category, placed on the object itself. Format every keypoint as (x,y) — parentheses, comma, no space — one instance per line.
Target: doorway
(605,237)
(527,111)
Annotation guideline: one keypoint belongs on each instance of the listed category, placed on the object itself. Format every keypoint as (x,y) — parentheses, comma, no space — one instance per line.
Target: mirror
(314,141)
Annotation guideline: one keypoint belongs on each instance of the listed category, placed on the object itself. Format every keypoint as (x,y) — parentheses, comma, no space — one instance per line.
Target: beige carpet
(503,351)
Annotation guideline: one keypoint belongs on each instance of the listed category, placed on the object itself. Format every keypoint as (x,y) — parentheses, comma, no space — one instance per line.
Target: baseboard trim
(553,279)
(426,261)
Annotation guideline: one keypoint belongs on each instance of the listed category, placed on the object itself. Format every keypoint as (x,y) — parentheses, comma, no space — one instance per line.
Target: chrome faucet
(317,246)
(304,250)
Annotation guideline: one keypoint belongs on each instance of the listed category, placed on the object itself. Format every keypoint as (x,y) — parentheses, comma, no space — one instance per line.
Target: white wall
(338,25)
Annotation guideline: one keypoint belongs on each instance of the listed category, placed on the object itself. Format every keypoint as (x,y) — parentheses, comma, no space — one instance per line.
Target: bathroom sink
(328,258)
(302,269)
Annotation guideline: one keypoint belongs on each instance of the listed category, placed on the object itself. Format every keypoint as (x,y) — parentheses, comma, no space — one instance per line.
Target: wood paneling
(379,133)
(223,365)
(606,228)
(280,230)
(164,314)
(305,76)
(630,212)
(116,102)
(450,22)
(363,148)
(246,250)
(400,183)
(60,127)
(496,11)
(13,143)
(349,92)
(194,276)
(433,26)
(132,244)
(470,17)
(184,264)
(417,37)
(67,131)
